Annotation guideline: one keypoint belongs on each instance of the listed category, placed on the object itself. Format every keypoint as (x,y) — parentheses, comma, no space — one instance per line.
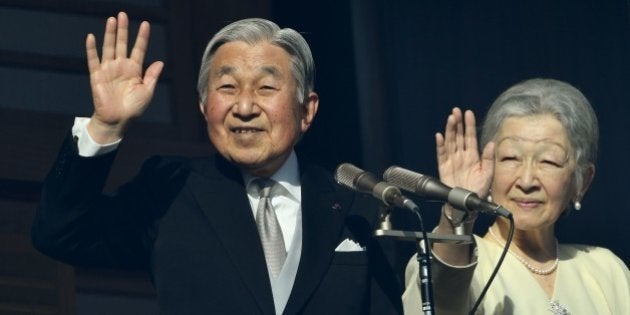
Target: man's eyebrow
(264,70)
(271,70)
(223,70)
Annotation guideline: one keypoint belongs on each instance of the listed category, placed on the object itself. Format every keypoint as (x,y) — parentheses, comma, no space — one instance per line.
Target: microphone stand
(424,276)
(424,270)
(384,223)
(424,257)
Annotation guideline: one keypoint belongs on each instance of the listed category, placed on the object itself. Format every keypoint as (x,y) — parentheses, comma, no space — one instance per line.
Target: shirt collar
(288,176)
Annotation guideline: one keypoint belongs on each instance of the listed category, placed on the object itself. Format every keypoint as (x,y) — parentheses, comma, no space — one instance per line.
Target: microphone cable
(497,267)
(424,258)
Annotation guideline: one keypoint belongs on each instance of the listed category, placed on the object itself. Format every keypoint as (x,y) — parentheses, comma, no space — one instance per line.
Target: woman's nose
(527,176)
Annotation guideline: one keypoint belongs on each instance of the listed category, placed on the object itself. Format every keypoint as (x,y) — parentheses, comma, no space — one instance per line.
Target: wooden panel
(30,138)
(23,268)
(30,283)
(98,8)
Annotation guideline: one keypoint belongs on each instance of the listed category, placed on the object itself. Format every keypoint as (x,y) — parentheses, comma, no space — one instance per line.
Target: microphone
(359,180)
(427,186)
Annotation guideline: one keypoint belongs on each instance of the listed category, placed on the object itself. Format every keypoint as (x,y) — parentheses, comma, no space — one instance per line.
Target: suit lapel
(222,197)
(323,213)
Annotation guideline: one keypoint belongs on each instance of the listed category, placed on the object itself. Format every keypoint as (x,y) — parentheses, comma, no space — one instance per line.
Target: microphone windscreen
(346,175)
(402,178)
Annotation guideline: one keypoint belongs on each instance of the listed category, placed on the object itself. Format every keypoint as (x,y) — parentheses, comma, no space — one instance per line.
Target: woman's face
(534,170)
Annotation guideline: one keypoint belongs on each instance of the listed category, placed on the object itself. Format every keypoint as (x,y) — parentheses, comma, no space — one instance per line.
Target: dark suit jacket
(189,223)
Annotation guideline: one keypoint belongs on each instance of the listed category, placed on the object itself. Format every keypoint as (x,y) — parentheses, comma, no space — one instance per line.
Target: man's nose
(246,105)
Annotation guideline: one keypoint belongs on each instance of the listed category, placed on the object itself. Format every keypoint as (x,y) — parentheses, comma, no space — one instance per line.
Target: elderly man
(249,230)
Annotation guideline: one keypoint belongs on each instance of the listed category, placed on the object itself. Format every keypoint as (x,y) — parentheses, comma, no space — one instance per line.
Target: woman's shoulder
(590,251)
(590,254)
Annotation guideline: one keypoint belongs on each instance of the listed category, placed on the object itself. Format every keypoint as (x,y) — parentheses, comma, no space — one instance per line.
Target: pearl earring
(577,205)
(489,198)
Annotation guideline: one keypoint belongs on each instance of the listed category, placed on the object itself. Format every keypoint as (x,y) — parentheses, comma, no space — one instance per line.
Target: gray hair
(560,99)
(256,30)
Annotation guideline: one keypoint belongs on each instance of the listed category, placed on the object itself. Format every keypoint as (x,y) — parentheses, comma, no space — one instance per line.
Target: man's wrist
(86,145)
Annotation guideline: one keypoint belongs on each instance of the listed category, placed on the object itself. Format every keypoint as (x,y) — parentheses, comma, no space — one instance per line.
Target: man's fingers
(93,62)
(142,41)
(122,32)
(152,74)
(109,39)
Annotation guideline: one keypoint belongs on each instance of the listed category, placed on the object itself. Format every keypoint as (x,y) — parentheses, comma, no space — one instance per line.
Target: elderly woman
(540,145)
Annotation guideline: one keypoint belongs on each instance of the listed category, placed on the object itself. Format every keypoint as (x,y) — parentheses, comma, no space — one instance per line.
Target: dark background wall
(388,73)
(438,55)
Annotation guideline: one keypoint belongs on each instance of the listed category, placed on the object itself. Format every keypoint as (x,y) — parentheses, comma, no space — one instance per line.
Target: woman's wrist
(461,221)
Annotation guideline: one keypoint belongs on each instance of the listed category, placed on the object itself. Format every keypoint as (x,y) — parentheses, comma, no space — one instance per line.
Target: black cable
(424,261)
(497,267)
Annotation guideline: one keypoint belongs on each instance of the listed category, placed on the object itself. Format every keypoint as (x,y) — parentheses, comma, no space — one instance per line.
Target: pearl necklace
(529,266)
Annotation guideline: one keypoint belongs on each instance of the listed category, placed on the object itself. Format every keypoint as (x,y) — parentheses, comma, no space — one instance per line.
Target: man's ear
(202,109)
(309,111)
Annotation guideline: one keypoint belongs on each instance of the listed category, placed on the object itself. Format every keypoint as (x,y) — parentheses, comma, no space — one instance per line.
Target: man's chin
(252,166)
(258,170)
(257,167)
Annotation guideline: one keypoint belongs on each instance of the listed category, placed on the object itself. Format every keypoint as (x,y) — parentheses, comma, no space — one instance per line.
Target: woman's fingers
(454,132)
(440,148)
(470,138)
(449,134)
(459,130)
(487,157)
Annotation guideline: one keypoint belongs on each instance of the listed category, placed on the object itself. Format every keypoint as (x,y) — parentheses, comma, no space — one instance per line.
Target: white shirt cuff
(86,145)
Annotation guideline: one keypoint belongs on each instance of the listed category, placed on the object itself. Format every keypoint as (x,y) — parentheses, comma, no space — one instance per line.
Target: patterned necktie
(269,229)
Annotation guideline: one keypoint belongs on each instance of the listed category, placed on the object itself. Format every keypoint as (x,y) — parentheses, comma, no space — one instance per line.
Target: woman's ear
(588,178)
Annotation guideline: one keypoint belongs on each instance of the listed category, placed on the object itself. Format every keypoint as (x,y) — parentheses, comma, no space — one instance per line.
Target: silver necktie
(269,229)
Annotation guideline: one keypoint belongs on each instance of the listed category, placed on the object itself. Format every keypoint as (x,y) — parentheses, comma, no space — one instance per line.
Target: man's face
(252,114)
